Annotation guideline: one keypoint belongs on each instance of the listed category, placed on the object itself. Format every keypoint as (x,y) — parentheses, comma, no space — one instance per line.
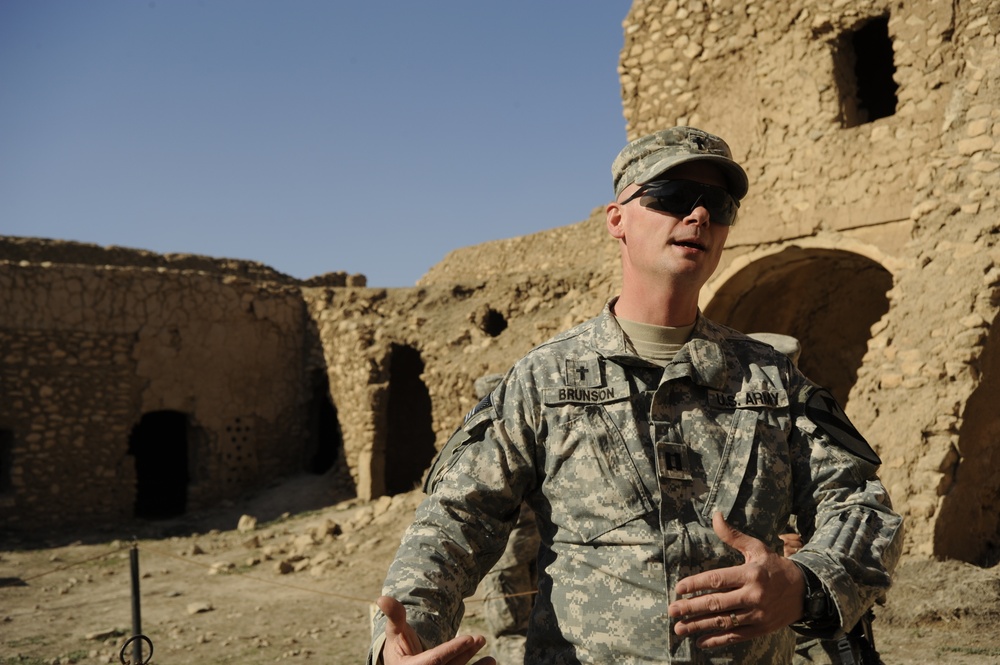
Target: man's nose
(699,214)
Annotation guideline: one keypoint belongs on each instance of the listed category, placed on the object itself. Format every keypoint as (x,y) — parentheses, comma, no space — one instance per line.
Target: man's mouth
(693,244)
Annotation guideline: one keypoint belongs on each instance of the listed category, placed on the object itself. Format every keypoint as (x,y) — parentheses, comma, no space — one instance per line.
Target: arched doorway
(409,432)
(968,526)
(828,299)
(160,445)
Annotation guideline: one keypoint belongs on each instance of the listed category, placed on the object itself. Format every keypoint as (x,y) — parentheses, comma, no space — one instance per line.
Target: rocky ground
(296,585)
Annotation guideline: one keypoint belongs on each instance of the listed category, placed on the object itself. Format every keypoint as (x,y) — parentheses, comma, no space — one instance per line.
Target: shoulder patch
(484,403)
(829,417)
(583,373)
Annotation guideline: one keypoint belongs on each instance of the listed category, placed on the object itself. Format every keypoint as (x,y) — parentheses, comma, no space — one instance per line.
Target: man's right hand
(402,646)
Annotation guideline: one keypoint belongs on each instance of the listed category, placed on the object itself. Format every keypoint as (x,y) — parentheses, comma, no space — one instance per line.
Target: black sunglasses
(681,197)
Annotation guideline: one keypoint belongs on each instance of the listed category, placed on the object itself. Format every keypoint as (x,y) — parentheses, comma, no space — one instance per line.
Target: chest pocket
(590,481)
(724,486)
(750,480)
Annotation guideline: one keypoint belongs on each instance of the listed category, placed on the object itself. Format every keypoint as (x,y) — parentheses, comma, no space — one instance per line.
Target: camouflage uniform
(508,589)
(624,463)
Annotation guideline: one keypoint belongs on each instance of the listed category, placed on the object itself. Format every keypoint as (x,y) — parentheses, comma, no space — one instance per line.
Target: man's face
(670,246)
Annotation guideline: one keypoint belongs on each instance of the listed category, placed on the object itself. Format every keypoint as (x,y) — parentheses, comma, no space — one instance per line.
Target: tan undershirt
(657,344)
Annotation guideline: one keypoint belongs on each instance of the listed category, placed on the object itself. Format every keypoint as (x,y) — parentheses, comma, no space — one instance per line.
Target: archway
(409,432)
(828,299)
(968,526)
(159,443)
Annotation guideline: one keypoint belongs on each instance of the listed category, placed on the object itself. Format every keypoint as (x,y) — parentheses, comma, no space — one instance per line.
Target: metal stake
(136,615)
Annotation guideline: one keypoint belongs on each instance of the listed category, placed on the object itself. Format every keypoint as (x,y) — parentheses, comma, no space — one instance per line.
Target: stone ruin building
(134,384)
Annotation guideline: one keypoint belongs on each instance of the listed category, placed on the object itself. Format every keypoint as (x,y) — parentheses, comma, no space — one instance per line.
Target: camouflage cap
(786,344)
(647,157)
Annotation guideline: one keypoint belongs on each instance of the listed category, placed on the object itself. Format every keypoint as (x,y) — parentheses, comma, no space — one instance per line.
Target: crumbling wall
(87,350)
(460,331)
(580,247)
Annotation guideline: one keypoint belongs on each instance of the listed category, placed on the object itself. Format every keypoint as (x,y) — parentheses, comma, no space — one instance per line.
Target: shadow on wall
(828,299)
(968,527)
(326,440)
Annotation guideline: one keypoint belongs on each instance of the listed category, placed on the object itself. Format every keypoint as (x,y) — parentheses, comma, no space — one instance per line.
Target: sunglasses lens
(680,197)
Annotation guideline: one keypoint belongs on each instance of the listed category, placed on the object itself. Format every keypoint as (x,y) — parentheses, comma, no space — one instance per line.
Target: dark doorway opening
(326,439)
(159,444)
(864,69)
(6,460)
(409,431)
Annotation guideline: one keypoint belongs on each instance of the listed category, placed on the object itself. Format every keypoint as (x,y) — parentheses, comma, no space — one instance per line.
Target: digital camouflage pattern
(624,463)
(645,158)
(508,590)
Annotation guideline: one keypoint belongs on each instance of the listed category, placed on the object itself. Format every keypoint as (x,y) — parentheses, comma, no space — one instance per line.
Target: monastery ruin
(141,385)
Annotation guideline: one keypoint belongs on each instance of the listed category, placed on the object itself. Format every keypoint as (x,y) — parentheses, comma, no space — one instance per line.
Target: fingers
(458,651)
(791,543)
(725,621)
(719,579)
(735,603)
(403,645)
(719,629)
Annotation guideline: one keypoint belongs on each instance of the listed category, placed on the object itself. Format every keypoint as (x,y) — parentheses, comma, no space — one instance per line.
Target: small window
(864,69)
(493,323)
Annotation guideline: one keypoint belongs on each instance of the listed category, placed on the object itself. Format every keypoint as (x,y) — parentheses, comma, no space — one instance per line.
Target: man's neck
(659,309)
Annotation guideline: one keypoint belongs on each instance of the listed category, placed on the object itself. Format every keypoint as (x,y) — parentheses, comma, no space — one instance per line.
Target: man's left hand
(760,596)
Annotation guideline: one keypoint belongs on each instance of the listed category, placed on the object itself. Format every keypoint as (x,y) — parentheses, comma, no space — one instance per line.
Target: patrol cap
(647,157)
(786,344)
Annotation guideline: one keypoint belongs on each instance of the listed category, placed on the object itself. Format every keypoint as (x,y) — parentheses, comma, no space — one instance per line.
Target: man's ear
(614,221)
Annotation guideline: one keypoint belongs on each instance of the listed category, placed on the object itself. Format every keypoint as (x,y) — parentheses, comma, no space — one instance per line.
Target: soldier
(663,455)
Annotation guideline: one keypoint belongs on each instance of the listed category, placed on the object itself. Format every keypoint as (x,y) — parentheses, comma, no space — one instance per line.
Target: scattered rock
(247,523)
(199,608)
(104,634)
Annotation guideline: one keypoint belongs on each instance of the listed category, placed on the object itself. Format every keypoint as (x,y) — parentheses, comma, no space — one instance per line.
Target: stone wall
(913,192)
(88,351)
(459,331)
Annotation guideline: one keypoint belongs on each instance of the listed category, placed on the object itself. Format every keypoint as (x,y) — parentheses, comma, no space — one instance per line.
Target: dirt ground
(297,586)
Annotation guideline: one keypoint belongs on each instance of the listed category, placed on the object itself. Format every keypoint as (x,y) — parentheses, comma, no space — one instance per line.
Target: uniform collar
(704,358)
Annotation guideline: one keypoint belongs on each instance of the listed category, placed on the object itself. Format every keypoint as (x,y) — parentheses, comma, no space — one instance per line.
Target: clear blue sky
(310,135)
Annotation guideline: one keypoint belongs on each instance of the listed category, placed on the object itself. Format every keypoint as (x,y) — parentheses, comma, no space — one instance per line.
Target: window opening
(494,323)
(864,69)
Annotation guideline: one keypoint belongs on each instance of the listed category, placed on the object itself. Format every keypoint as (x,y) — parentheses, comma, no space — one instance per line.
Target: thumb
(748,546)
(396,629)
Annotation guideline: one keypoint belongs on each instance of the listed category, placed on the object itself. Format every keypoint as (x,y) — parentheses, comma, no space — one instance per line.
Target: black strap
(845,652)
